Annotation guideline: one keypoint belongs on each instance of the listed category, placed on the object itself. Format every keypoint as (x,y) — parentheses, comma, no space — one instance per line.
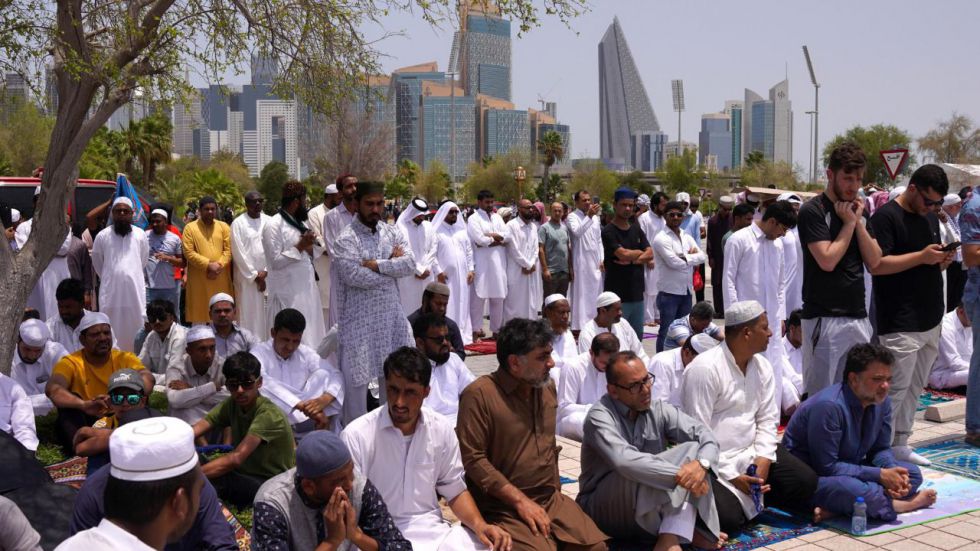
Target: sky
(905,63)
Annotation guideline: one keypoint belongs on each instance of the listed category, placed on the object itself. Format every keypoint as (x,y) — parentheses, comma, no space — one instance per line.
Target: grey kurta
(627,482)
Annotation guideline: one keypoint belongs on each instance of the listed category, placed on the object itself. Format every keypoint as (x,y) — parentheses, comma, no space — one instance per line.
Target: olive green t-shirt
(276,453)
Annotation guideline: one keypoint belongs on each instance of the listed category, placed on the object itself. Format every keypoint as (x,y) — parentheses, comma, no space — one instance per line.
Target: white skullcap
(162,213)
(741,312)
(126,200)
(34,333)
(683,197)
(14,215)
(896,192)
(726,201)
(199,333)
(791,197)
(152,449)
(93,318)
(551,299)
(951,199)
(331,189)
(607,298)
(643,199)
(221,297)
(752,197)
(504,212)
(702,342)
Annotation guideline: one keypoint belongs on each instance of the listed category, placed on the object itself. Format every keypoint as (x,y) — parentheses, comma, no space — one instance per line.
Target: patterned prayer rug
(955,456)
(70,472)
(242,536)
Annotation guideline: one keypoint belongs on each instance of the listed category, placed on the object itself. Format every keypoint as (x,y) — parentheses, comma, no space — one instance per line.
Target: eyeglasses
(438,338)
(638,386)
(930,202)
(245,385)
(131,399)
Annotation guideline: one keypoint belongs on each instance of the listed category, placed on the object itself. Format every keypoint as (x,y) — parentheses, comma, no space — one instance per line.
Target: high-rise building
(734,109)
(439,113)
(715,142)
(767,125)
(276,134)
(543,122)
(482,48)
(624,108)
(186,118)
(648,150)
(406,86)
(782,121)
(502,128)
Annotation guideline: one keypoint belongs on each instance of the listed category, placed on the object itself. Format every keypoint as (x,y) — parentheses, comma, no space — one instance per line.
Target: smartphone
(951,247)
(595,200)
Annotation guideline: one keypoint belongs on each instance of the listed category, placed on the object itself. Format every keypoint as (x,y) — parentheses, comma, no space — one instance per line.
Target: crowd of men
(322,350)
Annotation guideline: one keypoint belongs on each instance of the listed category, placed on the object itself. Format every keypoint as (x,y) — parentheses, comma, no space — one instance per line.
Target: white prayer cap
(125,200)
(791,197)
(199,333)
(607,298)
(162,213)
(93,318)
(14,215)
(551,299)
(702,342)
(34,333)
(221,297)
(896,192)
(152,449)
(643,199)
(683,197)
(726,201)
(504,212)
(752,197)
(330,190)
(951,199)
(743,311)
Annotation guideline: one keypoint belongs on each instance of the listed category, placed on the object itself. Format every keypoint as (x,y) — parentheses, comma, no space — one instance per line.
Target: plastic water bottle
(859,519)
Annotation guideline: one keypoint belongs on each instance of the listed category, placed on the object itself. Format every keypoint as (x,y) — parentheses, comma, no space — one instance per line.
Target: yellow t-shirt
(89,381)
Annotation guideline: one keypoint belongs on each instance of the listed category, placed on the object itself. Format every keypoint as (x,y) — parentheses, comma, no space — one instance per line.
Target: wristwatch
(705,464)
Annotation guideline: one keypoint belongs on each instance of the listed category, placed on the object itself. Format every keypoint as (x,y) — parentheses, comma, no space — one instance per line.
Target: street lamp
(816,112)
(677,88)
(813,169)
(519,176)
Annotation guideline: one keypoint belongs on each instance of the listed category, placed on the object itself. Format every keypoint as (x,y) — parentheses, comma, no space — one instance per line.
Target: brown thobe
(505,438)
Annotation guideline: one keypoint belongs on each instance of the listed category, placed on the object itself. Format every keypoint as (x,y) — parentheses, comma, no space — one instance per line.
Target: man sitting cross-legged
(411,455)
(449,374)
(632,485)
(844,433)
(197,386)
(668,367)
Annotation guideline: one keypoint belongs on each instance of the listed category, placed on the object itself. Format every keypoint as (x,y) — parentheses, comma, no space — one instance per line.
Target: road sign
(894,159)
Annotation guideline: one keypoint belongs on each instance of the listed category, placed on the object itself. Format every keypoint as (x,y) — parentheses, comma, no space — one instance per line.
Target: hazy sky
(899,62)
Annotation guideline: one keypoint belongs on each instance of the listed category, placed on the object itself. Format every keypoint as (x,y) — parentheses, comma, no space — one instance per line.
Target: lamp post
(519,176)
(813,169)
(677,89)
(816,112)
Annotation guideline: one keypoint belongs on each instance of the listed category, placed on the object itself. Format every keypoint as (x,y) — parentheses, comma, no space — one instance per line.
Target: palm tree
(552,148)
(156,133)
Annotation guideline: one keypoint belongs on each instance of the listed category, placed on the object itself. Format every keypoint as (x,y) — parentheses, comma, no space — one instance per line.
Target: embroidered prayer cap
(199,333)
(220,297)
(152,449)
(34,333)
(623,193)
(607,298)
(504,212)
(320,453)
(726,201)
(93,318)
(643,199)
(702,342)
(437,288)
(551,299)
(124,200)
(330,190)
(683,197)
(951,199)
(743,311)
(125,378)
(791,197)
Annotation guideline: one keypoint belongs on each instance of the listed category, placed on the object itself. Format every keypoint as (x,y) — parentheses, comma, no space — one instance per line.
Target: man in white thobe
(755,269)
(42,297)
(195,386)
(558,313)
(228,336)
(793,254)
(488,232)
(334,223)
(411,455)
(290,247)
(164,344)
(449,374)
(34,358)
(524,284)
(652,223)
(952,366)
(582,383)
(421,238)
(308,389)
(119,256)
(454,266)
(250,264)
(17,413)
(667,367)
(731,389)
(585,230)
(793,353)
(322,263)
(609,319)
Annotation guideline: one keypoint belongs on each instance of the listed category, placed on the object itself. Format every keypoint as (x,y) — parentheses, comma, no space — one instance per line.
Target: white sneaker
(905,453)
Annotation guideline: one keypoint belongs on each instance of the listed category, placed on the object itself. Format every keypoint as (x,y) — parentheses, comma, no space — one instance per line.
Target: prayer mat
(71,472)
(242,536)
(565,480)
(955,393)
(481,348)
(930,397)
(953,456)
(957,495)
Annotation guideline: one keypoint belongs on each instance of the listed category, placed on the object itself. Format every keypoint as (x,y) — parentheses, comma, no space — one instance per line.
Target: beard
(441,358)
(122,228)
(302,214)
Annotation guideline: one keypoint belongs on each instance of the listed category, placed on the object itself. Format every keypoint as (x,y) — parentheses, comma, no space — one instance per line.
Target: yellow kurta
(203,245)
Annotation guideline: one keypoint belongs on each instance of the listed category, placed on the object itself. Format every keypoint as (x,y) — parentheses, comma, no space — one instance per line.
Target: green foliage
(754,158)
(955,140)
(435,183)
(217,185)
(24,137)
(765,173)
(402,184)
(679,173)
(873,140)
(234,168)
(244,515)
(273,176)
(99,159)
(550,191)
(497,176)
(594,177)
(6,169)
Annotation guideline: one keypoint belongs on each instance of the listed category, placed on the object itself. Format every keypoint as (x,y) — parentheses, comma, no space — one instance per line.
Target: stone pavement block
(941,540)
(844,543)
(963,528)
(912,531)
(942,522)
(794,543)
(881,540)
(819,535)
(908,545)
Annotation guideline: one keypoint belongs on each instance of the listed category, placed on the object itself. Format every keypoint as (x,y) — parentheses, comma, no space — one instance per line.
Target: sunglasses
(244,385)
(131,399)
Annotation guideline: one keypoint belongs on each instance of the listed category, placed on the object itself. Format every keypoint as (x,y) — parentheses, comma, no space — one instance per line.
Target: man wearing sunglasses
(164,344)
(449,374)
(908,292)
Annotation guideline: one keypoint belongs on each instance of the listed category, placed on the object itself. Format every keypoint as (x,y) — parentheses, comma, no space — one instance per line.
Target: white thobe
(422,239)
(334,222)
(17,413)
(301,376)
(755,270)
(793,255)
(454,254)
(104,537)
(563,348)
(587,256)
(793,358)
(524,291)
(249,259)
(490,262)
(667,367)
(34,377)
(67,336)
(321,263)
(291,278)
(159,355)
(651,224)
(675,267)
(22,232)
(955,349)
(446,384)
(119,262)
(579,386)
(623,331)
(411,473)
(206,391)
(42,297)
(739,409)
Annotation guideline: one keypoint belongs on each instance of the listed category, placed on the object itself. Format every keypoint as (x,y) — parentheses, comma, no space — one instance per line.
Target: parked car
(18,193)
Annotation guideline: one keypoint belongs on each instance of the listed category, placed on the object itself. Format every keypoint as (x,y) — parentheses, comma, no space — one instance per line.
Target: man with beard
(836,249)
(435,300)
(627,253)
(334,222)
(34,358)
(70,295)
(196,385)
(555,253)
(506,436)
(652,222)
(582,383)
(250,264)
(609,319)
(488,232)
(119,256)
(587,256)
(370,257)
(449,374)
(454,268)
(207,248)
(420,236)
(228,336)
(290,247)
(558,313)
(524,285)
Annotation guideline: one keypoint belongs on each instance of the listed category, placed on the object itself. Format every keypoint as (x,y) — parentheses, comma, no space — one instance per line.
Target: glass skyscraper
(484,54)
(504,130)
(435,130)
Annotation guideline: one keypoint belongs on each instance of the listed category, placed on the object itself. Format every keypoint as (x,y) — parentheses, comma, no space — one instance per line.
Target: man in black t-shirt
(627,252)
(836,248)
(908,293)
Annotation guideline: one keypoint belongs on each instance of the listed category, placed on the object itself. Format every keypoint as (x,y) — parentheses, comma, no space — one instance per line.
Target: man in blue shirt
(166,253)
(844,433)
(970,234)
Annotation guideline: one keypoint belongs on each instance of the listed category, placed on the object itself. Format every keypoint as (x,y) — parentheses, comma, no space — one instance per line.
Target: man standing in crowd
(228,336)
(955,274)
(420,236)
(793,254)
(34,358)
(908,293)
(166,254)
(370,256)
(488,232)
(741,218)
(334,222)
(251,270)
(652,222)
(207,248)
(627,253)
(556,251)
(119,256)
(290,247)
(196,385)
(322,263)
(970,233)
(836,248)
(676,254)
(524,283)
(718,225)
(587,256)
(455,267)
